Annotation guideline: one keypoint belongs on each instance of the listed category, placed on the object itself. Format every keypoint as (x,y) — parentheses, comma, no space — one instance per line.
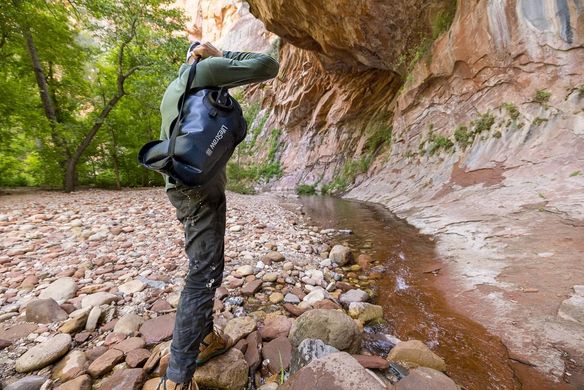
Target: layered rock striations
(471,127)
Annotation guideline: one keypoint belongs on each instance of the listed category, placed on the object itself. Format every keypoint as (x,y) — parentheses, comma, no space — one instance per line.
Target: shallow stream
(413,306)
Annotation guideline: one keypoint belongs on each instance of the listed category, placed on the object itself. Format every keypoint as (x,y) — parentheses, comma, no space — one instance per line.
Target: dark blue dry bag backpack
(209,126)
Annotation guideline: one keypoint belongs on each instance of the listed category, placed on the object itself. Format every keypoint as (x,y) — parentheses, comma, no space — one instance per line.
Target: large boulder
(60,290)
(278,353)
(333,327)
(307,351)
(225,372)
(43,354)
(45,311)
(424,378)
(337,371)
(414,353)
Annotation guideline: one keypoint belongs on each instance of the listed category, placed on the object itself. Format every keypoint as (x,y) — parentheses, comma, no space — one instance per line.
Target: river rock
(251,288)
(70,367)
(291,298)
(103,364)
(365,312)
(314,296)
(225,372)
(43,354)
(125,379)
(333,327)
(93,318)
(307,351)
(427,379)
(240,327)
(276,326)
(158,329)
(45,311)
(276,297)
(252,352)
(32,382)
(76,321)
(278,352)
(137,357)
(81,383)
(130,344)
(244,270)
(60,290)
(129,324)
(98,299)
(341,255)
(131,287)
(414,353)
(355,295)
(339,371)
(273,257)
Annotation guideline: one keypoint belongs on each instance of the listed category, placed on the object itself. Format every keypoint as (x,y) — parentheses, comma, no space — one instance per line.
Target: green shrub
(438,142)
(512,110)
(542,96)
(462,136)
(539,121)
(379,135)
(484,123)
(306,189)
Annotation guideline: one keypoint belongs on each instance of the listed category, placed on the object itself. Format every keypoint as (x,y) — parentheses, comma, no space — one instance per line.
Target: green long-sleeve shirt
(231,70)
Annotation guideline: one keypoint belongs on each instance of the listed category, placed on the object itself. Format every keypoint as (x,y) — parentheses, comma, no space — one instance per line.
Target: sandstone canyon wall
(465,118)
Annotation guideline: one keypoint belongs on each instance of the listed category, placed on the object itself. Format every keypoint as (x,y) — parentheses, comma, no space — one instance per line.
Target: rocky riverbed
(90,282)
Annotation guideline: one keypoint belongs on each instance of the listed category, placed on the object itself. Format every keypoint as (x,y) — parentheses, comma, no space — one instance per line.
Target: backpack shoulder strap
(174,132)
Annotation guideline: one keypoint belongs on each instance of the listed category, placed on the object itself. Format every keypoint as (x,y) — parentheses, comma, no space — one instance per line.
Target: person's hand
(205,50)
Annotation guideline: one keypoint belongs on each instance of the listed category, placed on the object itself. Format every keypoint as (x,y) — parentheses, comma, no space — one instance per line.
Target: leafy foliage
(80,88)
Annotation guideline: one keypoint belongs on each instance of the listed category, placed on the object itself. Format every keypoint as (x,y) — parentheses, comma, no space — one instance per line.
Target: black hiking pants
(202,211)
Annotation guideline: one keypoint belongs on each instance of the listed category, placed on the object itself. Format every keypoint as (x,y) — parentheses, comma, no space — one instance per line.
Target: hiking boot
(214,344)
(167,384)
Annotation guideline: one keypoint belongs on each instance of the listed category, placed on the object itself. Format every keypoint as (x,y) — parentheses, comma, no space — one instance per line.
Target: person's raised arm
(233,69)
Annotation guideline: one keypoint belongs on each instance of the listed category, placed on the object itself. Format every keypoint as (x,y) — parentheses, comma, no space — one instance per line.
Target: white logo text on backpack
(216,140)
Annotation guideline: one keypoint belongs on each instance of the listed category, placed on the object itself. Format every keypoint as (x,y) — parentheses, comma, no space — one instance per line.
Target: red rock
(241,345)
(279,353)
(252,353)
(161,305)
(18,331)
(95,352)
(373,362)
(4,344)
(344,286)
(293,309)
(114,338)
(273,256)
(221,293)
(81,383)
(276,326)
(364,261)
(103,364)
(130,379)
(82,337)
(137,357)
(251,288)
(158,329)
(326,304)
(130,344)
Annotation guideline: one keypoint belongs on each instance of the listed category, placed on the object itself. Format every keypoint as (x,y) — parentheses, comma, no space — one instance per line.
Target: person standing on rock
(202,211)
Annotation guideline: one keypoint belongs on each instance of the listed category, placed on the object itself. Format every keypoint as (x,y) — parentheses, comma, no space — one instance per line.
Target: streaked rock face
(346,76)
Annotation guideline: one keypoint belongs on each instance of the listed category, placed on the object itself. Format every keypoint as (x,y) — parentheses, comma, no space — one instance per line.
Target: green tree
(82,58)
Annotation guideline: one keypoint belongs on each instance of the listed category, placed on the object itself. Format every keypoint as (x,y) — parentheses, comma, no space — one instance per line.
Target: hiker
(202,211)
